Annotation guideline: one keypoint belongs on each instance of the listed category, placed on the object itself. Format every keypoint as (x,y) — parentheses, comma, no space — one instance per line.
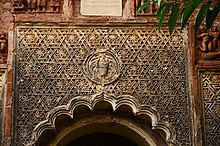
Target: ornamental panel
(56,64)
(210,83)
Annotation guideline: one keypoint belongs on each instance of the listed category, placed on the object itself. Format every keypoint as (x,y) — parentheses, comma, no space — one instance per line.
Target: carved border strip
(210,97)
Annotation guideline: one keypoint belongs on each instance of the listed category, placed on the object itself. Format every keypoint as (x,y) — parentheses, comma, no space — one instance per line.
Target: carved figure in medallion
(102,67)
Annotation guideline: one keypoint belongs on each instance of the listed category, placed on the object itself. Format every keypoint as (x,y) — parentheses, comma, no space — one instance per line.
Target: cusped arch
(116,102)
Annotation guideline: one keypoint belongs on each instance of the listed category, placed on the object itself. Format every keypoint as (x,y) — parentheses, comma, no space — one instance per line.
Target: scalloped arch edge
(116,102)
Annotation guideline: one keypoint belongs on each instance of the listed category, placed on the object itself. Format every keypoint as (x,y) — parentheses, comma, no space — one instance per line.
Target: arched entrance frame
(115,102)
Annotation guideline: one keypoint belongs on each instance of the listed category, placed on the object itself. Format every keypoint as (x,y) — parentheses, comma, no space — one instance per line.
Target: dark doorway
(102,139)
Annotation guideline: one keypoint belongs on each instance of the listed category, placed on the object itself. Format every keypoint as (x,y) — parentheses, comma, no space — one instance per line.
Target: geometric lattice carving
(49,62)
(211,103)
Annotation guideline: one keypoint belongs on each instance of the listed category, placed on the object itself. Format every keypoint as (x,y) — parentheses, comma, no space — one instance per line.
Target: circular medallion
(102,67)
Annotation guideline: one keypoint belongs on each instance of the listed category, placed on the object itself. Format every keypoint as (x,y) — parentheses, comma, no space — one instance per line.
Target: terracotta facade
(59,66)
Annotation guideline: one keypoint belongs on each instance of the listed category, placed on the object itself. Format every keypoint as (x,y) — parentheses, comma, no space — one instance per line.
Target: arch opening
(102,139)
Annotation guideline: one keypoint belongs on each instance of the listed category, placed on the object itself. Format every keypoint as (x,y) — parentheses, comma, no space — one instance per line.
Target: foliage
(182,10)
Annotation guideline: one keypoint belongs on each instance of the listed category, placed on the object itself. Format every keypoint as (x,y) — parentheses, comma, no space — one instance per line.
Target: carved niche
(38,5)
(3,48)
(209,43)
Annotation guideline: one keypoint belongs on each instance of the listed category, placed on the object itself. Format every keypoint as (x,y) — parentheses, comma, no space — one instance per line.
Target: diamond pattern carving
(211,101)
(50,72)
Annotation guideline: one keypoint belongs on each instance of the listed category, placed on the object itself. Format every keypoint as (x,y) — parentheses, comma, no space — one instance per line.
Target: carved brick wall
(55,64)
(210,95)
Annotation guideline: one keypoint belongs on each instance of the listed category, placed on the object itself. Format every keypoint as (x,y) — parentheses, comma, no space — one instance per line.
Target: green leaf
(163,14)
(160,9)
(142,7)
(211,15)
(189,9)
(202,13)
(185,10)
(173,19)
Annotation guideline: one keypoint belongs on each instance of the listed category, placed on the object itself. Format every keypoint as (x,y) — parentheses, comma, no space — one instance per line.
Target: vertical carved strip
(211,107)
(1,106)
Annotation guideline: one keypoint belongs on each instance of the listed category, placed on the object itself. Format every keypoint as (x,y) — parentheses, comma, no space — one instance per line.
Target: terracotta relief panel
(38,5)
(209,43)
(210,87)
(56,64)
